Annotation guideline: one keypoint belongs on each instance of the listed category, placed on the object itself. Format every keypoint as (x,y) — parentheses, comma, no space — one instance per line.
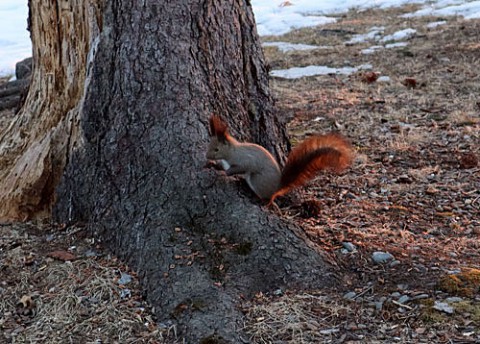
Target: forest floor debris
(413,195)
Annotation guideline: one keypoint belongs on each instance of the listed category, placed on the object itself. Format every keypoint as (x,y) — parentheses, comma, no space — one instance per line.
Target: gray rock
(443,307)
(91,253)
(420,296)
(350,295)
(380,257)
(125,293)
(349,246)
(394,263)
(403,299)
(278,292)
(454,299)
(378,305)
(125,279)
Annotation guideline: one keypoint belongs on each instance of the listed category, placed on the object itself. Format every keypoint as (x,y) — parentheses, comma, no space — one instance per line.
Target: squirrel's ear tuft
(218,128)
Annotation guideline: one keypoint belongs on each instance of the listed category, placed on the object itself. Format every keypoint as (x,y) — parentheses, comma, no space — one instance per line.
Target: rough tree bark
(35,147)
(133,138)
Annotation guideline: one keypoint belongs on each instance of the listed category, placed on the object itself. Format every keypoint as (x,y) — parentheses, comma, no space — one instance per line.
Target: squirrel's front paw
(213,164)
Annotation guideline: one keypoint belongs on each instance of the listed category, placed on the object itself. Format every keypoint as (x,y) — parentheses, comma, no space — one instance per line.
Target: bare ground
(414,191)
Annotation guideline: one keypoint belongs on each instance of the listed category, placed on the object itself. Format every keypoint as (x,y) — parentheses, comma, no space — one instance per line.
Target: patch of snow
(286,47)
(284,19)
(372,49)
(396,45)
(399,35)
(375,48)
(366,66)
(468,10)
(383,78)
(373,34)
(299,72)
(277,17)
(443,307)
(433,25)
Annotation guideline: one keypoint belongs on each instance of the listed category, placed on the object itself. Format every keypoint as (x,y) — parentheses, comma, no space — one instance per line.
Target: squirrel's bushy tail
(324,152)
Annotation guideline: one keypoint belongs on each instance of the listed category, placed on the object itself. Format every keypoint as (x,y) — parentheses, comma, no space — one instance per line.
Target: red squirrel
(262,172)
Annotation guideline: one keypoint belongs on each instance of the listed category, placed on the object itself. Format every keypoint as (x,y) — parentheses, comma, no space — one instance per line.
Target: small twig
(402,305)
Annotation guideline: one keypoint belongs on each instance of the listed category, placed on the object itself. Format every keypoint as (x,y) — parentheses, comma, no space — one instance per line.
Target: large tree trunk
(135,157)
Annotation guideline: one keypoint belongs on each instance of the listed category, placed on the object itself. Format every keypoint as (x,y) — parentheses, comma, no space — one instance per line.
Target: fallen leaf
(27,302)
(62,255)
(410,82)
(369,77)
(468,160)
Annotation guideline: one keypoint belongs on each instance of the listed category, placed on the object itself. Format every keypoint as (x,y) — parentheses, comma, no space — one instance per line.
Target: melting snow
(286,47)
(298,72)
(399,35)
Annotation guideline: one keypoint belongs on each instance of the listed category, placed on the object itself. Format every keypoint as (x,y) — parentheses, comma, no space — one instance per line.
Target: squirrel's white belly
(225,164)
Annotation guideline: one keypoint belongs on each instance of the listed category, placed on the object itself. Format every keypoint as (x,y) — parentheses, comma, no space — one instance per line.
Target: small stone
(454,299)
(443,307)
(91,253)
(381,257)
(378,305)
(420,330)
(125,279)
(330,331)
(349,246)
(431,190)
(403,299)
(396,294)
(278,292)
(420,296)
(350,295)
(394,263)
(125,293)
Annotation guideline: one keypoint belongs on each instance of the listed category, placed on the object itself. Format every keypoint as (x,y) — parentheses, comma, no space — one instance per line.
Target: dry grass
(301,318)
(47,300)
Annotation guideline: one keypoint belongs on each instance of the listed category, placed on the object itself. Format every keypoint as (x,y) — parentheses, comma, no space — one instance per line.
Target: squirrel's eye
(216,149)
